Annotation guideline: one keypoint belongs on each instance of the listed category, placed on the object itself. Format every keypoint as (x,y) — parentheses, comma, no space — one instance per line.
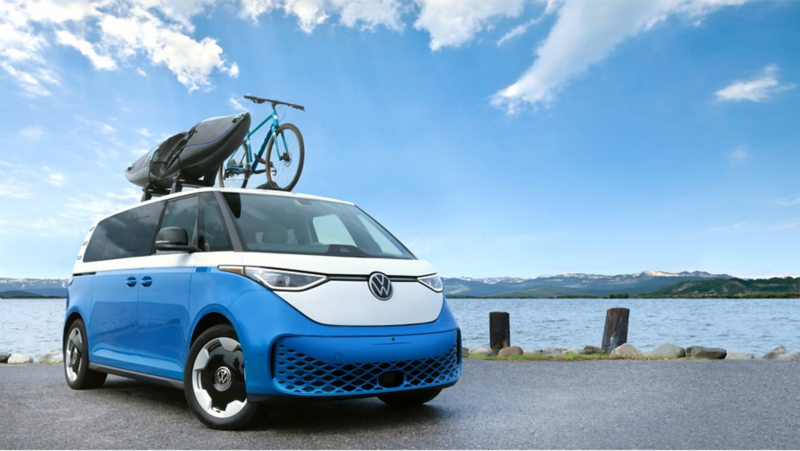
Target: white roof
(260,192)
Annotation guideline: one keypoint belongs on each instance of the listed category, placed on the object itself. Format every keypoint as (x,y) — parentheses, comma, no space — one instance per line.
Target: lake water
(756,326)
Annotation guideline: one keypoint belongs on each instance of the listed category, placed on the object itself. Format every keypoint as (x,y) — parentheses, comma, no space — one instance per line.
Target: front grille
(299,373)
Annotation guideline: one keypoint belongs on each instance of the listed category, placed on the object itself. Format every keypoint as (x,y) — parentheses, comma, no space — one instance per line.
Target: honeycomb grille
(299,373)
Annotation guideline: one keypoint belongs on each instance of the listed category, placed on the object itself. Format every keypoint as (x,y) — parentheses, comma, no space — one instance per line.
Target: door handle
(131,281)
(147,281)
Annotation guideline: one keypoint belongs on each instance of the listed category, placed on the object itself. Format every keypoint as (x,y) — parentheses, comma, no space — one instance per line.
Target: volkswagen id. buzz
(250,297)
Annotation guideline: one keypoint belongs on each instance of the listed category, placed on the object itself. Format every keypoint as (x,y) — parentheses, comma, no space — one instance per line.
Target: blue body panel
(149,328)
(164,321)
(112,322)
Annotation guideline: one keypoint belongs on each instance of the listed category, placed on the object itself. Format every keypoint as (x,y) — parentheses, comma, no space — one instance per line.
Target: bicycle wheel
(286,164)
(231,178)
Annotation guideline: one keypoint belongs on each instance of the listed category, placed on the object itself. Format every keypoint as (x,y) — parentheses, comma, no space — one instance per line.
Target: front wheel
(214,380)
(285,159)
(408,399)
(76,360)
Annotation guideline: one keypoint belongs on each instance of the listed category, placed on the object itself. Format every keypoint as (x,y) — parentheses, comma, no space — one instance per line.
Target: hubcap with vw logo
(380,286)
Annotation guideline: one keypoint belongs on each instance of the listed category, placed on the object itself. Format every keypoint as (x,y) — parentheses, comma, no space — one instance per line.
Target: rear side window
(124,235)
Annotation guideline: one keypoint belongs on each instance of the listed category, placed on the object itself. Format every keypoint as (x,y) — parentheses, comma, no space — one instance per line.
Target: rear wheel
(214,380)
(407,399)
(285,159)
(76,360)
(231,173)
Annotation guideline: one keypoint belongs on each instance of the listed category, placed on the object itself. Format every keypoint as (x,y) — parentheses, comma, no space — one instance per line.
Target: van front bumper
(289,357)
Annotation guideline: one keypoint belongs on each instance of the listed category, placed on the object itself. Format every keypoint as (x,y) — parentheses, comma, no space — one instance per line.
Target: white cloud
(144,132)
(102,127)
(738,155)
(585,33)
(33,134)
(363,14)
(56,179)
(95,207)
(236,104)
(141,72)
(101,62)
(759,89)
(455,22)
(788,202)
(732,228)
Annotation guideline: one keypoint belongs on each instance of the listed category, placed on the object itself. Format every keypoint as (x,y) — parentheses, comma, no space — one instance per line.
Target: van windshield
(312,227)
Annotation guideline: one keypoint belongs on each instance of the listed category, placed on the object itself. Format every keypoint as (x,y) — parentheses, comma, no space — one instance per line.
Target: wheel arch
(67,323)
(207,320)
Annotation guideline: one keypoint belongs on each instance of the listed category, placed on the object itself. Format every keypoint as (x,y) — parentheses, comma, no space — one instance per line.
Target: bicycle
(283,167)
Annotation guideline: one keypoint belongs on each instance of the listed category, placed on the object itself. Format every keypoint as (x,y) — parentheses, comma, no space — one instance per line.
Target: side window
(181,213)
(124,235)
(213,236)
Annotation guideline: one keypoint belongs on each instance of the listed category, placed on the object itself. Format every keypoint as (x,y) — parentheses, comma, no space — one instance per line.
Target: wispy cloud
(102,127)
(236,104)
(144,132)
(738,155)
(33,134)
(14,190)
(732,228)
(789,201)
(759,89)
(56,178)
(141,72)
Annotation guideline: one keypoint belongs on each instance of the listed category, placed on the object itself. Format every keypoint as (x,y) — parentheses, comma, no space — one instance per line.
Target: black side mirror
(174,239)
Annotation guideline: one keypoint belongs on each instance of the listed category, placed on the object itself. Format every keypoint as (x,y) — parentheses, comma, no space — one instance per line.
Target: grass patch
(570,357)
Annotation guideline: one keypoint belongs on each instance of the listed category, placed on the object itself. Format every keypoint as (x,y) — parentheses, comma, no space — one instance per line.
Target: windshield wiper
(346,250)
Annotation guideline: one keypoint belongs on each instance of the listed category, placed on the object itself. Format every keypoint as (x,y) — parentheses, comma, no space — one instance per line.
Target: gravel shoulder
(593,404)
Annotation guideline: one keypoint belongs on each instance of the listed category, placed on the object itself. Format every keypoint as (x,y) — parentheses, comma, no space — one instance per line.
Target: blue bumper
(289,356)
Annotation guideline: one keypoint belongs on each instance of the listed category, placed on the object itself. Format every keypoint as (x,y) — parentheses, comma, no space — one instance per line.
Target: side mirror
(174,239)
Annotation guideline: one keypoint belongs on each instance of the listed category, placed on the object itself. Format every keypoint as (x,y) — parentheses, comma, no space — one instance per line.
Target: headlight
(283,280)
(433,282)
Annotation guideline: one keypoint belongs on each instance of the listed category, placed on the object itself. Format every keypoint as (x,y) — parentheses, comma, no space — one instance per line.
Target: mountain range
(42,287)
(570,284)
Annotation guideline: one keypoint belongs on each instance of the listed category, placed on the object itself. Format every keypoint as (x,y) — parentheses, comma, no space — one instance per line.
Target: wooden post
(616,330)
(499,331)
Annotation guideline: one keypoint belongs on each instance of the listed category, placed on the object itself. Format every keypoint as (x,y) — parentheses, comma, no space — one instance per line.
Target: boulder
(536,352)
(572,351)
(592,350)
(54,356)
(739,356)
(796,356)
(481,350)
(4,357)
(701,352)
(555,352)
(511,350)
(19,358)
(669,350)
(625,350)
(779,353)
(464,352)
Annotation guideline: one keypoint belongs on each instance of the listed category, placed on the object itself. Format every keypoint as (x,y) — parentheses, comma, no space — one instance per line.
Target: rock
(592,350)
(625,350)
(702,352)
(572,351)
(511,350)
(779,353)
(796,356)
(555,352)
(19,358)
(668,349)
(54,356)
(4,358)
(481,350)
(464,352)
(739,356)
(537,352)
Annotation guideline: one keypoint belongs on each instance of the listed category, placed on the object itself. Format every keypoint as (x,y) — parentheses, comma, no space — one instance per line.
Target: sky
(494,138)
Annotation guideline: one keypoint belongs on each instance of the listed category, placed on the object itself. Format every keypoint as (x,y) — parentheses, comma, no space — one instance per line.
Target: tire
(214,380)
(409,399)
(238,181)
(283,176)
(76,359)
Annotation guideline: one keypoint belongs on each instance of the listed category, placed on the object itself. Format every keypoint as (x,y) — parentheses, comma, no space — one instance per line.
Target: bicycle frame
(252,163)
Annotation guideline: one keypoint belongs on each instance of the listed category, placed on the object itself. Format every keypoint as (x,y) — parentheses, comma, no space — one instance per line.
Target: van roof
(259,192)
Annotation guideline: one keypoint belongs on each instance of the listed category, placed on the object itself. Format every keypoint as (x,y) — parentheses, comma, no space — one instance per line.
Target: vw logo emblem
(381,286)
(222,379)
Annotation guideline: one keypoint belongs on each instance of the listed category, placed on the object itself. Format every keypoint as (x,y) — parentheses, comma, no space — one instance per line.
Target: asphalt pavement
(600,404)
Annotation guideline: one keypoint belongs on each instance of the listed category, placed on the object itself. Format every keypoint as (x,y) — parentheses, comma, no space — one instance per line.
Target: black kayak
(194,156)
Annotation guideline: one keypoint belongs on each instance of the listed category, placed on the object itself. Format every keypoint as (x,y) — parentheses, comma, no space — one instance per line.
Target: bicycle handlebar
(274,102)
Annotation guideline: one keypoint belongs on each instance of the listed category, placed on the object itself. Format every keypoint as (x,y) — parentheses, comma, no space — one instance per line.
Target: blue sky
(494,138)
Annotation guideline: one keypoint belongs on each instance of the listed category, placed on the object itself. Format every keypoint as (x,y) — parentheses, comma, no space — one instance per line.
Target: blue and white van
(249,297)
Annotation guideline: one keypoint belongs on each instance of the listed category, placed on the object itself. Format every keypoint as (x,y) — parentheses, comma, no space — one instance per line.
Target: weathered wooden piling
(616,330)
(499,331)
